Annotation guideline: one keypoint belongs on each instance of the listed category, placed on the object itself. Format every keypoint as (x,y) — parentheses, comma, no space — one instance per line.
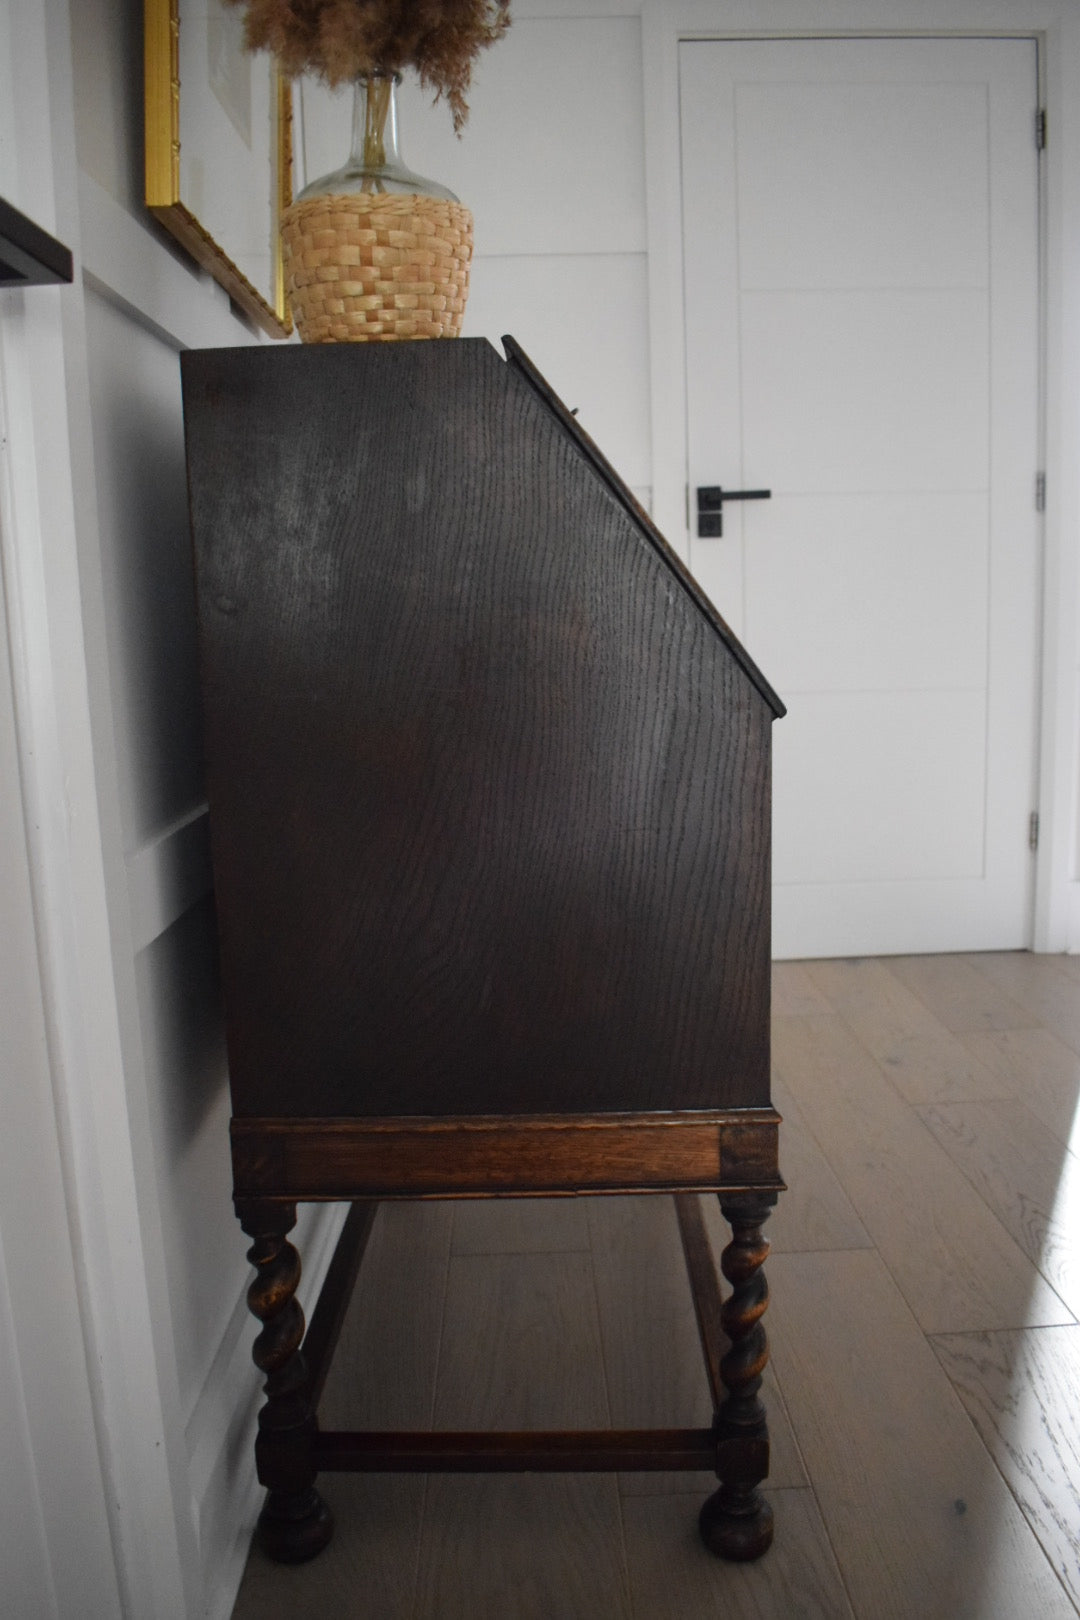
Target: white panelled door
(860,234)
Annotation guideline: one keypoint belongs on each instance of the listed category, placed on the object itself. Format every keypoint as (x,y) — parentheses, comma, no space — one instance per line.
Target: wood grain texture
(339,1284)
(794,993)
(383,1374)
(521,1345)
(705,1289)
(672,1577)
(958,994)
(1025,1175)
(489,791)
(1022,1391)
(918,1054)
(514,1451)
(521,1348)
(652,1356)
(1041,1072)
(815,1212)
(922,1524)
(520,1226)
(1051,998)
(956,1265)
(591,451)
(349,1158)
(369,1568)
(294,1524)
(529,1547)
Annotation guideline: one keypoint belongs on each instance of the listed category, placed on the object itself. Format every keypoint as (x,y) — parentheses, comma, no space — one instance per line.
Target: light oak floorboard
(920,1519)
(384,1369)
(1026,1176)
(815,1212)
(1042,1071)
(522,1547)
(369,1569)
(673,1577)
(954,1262)
(958,994)
(923,1060)
(1022,1391)
(521,1345)
(1051,997)
(521,1349)
(794,993)
(655,1370)
(520,1226)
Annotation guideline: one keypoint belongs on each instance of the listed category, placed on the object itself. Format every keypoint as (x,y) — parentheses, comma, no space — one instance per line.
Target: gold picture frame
(258,289)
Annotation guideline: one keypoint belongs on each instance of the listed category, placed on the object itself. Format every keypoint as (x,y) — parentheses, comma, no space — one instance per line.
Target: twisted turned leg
(737,1522)
(295,1522)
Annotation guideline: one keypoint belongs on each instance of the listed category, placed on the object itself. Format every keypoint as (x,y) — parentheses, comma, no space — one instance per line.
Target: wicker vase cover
(378,266)
(375,251)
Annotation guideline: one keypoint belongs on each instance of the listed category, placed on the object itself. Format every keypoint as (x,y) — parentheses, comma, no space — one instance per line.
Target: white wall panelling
(550,304)
(124,1266)
(168,874)
(49,638)
(55,1542)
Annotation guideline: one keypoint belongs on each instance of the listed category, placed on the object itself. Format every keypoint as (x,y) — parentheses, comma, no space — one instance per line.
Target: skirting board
(1073,945)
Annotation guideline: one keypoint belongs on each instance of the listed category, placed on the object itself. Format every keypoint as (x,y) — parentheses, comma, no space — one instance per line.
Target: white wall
(54,1533)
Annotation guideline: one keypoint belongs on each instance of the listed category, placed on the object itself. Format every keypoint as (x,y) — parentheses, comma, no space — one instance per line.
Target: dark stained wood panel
(489,790)
(469,1156)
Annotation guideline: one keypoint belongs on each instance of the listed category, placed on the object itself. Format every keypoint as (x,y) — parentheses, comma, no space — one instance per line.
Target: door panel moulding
(1054,25)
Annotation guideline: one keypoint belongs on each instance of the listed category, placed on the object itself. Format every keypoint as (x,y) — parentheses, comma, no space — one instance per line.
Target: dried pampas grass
(339,40)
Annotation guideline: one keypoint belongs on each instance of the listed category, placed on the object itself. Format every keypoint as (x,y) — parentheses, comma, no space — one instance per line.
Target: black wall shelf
(29,256)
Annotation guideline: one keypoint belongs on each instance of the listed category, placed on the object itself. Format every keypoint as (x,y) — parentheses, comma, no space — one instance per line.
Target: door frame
(1054,26)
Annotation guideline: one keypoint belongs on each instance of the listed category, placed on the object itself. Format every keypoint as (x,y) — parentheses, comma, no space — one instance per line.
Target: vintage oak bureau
(489,786)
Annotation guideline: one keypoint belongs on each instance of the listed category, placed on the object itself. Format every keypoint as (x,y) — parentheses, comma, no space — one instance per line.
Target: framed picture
(219,150)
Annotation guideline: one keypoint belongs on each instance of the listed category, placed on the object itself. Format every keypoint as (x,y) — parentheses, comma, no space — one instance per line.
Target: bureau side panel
(489,796)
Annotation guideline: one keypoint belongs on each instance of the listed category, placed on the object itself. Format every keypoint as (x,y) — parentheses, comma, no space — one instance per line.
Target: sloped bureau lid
(519,359)
(488,780)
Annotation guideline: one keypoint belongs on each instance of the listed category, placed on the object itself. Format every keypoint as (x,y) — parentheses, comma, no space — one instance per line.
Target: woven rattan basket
(371,266)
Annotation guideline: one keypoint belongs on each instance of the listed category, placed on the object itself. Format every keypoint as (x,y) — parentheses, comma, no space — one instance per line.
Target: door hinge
(1040,492)
(1033,831)
(1040,130)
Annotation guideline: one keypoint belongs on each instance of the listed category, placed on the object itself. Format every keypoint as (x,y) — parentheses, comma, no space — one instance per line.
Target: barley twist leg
(295,1522)
(737,1522)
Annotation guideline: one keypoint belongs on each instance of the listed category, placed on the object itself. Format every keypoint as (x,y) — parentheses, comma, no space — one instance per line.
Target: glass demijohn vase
(374,251)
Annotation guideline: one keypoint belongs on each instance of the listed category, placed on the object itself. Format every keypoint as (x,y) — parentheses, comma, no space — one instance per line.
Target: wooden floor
(924,1392)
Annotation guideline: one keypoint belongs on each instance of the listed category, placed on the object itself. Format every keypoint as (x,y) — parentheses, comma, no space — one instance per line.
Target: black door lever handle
(710,506)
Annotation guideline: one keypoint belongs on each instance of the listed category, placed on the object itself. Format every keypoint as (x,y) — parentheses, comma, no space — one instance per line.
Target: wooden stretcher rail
(602,1451)
(476,1156)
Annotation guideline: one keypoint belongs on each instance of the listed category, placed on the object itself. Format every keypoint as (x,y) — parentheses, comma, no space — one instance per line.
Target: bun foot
(293,1528)
(740,1530)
